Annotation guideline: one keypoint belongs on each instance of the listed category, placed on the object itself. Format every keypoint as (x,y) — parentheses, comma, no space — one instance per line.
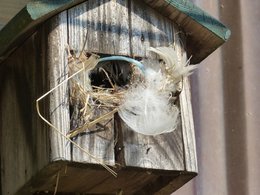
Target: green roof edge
(202,17)
(36,12)
(27,19)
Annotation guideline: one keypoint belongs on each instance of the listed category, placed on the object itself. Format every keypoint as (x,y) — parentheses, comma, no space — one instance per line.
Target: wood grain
(165,151)
(57,61)
(187,123)
(149,29)
(76,179)
(103,31)
(188,128)
(102,24)
(24,138)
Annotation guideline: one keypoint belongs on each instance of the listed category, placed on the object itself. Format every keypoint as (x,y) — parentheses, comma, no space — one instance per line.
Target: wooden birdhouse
(38,49)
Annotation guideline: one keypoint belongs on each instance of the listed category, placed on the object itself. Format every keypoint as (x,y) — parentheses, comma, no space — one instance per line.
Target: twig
(57,183)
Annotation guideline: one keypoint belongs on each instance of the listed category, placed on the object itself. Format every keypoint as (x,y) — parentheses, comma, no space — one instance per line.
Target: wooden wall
(24,138)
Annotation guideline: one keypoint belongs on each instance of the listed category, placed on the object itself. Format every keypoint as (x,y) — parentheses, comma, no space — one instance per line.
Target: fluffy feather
(147,108)
(175,65)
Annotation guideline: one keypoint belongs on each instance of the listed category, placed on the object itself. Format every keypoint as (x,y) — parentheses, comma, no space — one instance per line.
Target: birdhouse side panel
(189,142)
(24,140)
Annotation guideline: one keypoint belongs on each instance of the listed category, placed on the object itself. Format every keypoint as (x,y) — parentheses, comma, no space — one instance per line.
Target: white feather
(176,66)
(147,112)
(146,108)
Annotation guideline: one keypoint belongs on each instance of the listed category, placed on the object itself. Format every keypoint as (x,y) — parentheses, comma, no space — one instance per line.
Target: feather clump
(148,106)
(147,110)
(174,66)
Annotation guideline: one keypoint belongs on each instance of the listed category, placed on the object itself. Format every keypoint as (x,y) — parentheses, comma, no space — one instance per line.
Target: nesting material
(146,104)
(91,105)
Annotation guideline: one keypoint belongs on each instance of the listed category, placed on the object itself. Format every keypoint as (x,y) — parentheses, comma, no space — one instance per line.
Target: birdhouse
(63,126)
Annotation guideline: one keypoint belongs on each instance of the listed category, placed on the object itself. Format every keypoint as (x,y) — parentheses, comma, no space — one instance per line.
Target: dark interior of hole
(119,73)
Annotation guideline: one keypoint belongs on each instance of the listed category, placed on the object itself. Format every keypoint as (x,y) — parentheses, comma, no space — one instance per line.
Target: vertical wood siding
(57,60)
(24,139)
(130,30)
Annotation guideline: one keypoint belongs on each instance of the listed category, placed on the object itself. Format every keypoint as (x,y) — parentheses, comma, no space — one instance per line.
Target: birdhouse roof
(204,33)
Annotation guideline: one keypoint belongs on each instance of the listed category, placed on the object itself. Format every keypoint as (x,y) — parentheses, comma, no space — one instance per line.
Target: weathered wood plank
(127,182)
(102,24)
(175,184)
(78,179)
(156,152)
(57,60)
(188,131)
(188,128)
(165,184)
(149,29)
(24,138)
(100,144)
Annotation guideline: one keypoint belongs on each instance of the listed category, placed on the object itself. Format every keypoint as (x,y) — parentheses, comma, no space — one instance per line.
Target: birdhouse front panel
(129,30)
